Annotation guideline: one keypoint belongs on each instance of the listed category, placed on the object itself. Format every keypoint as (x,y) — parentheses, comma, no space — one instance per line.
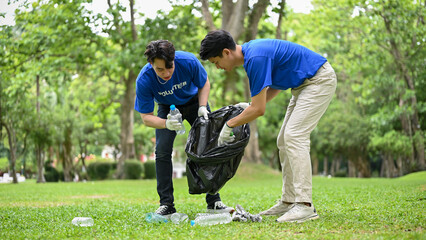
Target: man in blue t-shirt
(172,78)
(273,65)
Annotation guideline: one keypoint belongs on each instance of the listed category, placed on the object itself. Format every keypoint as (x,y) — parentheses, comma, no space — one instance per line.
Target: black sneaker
(166,210)
(219,207)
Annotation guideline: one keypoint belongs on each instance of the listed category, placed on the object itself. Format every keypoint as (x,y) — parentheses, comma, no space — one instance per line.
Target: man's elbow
(259,112)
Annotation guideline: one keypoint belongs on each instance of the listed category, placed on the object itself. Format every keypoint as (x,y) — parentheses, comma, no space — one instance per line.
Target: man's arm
(255,110)
(203,93)
(153,121)
(271,93)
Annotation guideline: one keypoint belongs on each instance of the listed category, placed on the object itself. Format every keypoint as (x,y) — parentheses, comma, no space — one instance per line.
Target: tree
(397,27)
(234,15)
(124,35)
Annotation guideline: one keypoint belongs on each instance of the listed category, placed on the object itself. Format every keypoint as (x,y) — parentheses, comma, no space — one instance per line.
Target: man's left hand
(203,112)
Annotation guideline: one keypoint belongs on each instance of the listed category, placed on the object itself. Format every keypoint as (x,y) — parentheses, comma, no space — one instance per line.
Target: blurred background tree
(68,82)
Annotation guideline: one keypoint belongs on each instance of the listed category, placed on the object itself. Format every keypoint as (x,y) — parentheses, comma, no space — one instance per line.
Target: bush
(132,169)
(341,173)
(51,174)
(98,170)
(150,170)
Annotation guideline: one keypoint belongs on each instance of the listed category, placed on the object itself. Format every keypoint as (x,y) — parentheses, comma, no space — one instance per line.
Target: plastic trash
(241,215)
(173,112)
(83,221)
(209,166)
(155,218)
(178,218)
(203,214)
(212,219)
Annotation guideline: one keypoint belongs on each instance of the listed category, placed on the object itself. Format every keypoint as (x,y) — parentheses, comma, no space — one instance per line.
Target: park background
(68,84)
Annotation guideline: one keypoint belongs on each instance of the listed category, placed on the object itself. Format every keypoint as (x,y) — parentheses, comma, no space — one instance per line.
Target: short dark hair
(161,49)
(214,43)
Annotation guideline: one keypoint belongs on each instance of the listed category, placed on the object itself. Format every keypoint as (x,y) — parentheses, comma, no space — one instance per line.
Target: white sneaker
(278,209)
(219,207)
(299,212)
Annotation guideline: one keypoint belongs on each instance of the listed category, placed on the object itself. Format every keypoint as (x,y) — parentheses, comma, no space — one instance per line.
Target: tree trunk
(278,34)
(315,164)
(67,155)
(254,18)
(388,169)
(333,167)
(126,117)
(235,25)
(351,168)
(40,164)
(39,149)
(363,167)
(325,165)
(338,162)
(251,152)
(207,15)
(12,145)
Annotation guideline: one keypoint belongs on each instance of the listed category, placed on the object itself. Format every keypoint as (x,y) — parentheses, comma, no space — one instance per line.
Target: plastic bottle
(178,218)
(83,221)
(155,218)
(174,111)
(212,219)
(203,214)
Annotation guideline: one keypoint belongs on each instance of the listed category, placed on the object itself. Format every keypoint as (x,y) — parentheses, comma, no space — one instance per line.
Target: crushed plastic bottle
(241,215)
(155,218)
(178,218)
(173,112)
(83,221)
(212,219)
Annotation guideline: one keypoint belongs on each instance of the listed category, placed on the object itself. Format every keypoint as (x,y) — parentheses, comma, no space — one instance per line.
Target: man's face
(223,62)
(160,69)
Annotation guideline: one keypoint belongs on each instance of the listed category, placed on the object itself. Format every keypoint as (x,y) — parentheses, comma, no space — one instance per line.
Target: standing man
(172,77)
(273,65)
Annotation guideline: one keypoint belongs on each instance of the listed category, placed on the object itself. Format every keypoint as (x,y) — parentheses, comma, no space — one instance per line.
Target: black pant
(164,149)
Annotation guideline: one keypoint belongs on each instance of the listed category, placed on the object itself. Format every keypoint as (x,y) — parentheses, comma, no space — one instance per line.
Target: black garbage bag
(208,166)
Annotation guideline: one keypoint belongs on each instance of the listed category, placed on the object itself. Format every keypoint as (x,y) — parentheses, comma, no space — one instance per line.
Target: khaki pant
(307,105)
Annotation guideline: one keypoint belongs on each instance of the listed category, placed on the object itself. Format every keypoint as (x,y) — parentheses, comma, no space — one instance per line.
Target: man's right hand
(226,135)
(172,122)
(243,105)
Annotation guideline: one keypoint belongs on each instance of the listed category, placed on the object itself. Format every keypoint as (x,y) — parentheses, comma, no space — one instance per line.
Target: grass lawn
(348,209)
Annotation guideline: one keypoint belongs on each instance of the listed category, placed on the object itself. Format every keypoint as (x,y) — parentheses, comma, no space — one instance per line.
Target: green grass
(348,208)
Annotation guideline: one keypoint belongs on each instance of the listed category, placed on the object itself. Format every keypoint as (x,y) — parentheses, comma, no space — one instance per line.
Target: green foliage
(99,170)
(133,169)
(149,167)
(392,142)
(348,208)
(81,74)
(51,174)
(4,164)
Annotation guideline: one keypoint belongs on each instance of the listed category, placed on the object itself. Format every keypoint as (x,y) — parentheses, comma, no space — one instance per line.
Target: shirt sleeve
(259,72)
(144,102)
(199,74)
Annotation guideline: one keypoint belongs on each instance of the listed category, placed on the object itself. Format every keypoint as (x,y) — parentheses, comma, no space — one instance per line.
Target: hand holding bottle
(173,123)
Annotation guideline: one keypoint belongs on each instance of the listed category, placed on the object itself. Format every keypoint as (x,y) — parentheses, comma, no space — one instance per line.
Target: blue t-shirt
(189,76)
(278,64)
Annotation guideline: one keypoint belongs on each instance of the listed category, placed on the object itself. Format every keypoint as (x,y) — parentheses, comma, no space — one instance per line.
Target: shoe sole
(312,217)
(273,214)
